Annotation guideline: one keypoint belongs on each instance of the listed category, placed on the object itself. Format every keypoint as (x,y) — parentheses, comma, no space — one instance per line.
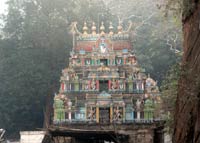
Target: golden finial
(120,28)
(93,28)
(111,28)
(102,28)
(85,28)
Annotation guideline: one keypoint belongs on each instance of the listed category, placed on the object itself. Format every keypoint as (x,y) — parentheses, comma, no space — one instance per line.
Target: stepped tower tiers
(104,94)
(104,83)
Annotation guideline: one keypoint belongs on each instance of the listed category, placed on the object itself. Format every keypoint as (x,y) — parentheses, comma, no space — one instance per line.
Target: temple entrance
(104,115)
(103,85)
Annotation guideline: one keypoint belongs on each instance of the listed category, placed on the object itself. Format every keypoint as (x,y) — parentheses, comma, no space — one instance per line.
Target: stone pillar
(138,115)
(70,86)
(111,113)
(124,113)
(142,86)
(85,111)
(137,86)
(97,113)
(70,114)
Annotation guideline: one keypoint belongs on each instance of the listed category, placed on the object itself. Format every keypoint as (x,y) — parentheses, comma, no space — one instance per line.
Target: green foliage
(35,46)
(34,49)
(179,8)
(188,8)
(169,90)
(156,39)
(25,83)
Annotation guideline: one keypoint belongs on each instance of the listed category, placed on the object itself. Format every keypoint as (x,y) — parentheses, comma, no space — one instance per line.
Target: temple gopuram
(105,96)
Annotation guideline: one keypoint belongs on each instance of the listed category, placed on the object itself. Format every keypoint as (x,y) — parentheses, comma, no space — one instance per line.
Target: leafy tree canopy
(35,45)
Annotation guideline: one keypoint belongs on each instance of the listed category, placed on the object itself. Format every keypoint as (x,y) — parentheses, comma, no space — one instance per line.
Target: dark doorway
(104,62)
(104,115)
(103,85)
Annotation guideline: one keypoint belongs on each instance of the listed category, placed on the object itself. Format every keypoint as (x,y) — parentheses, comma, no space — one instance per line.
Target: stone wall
(132,133)
(187,116)
(32,136)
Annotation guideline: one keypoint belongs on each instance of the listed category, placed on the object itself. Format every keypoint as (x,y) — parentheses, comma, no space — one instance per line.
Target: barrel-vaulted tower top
(89,38)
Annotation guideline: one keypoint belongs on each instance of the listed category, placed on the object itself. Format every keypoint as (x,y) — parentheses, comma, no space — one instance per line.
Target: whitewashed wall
(31,136)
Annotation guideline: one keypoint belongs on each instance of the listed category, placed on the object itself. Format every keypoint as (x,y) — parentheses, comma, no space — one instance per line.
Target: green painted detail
(92,62)
(114,62)
(129,113)
(104,94)
(59,103)
(76,86)
(80,114)
(98,62)
(130,86)
(59,109)
(60,114)
(148,109)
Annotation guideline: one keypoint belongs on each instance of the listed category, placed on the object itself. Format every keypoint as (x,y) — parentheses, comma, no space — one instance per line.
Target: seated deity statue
(114,84)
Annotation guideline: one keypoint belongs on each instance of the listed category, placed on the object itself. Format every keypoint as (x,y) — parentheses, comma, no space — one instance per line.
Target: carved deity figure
(73,76)
(114,84)
(133,60)
(117,114)
(138,104)
(93,84)
(121,86)
(91,114)
(86,87)
(119,61)
(88,62)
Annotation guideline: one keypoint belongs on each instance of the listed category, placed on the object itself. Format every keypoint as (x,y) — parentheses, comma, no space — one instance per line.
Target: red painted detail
(122,45)
(109,84)
(83,61)
(124,61)
(85,45)
(87,49)
(89,84)
(97,83)
(62,86)
(117,84)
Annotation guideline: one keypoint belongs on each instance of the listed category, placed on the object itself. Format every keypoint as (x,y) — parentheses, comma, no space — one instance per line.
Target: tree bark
(187,114)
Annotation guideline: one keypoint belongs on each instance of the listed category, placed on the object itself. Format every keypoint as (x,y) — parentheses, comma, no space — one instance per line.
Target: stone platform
(117,133)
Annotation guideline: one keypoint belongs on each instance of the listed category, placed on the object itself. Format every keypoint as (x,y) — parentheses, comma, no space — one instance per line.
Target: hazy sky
(2,6)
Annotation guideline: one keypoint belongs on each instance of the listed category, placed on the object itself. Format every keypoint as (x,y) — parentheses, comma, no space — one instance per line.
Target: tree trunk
(187,116)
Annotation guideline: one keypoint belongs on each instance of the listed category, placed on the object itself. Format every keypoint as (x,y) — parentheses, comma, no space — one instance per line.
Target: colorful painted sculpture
(104,83)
